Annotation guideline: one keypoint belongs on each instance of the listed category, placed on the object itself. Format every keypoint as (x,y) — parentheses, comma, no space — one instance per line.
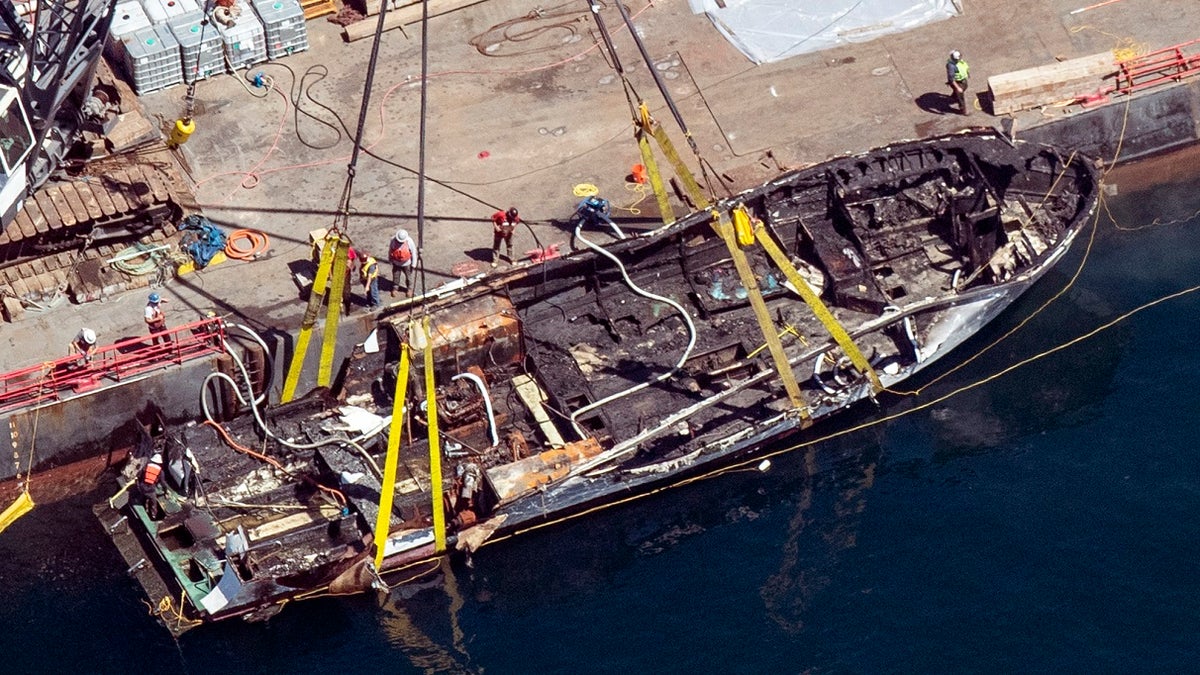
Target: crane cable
(342,217)
(332,265)
(646,127)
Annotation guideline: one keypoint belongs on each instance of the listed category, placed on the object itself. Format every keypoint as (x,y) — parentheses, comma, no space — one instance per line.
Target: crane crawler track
(113,204)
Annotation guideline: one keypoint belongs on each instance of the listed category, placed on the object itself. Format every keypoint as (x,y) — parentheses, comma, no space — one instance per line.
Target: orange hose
(258,243)
(272,461)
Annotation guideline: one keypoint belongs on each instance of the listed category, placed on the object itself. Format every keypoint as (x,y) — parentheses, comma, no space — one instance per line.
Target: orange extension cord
(273,462)
(258,243)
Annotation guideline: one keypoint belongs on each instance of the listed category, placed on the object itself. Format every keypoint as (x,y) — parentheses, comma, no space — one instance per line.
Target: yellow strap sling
(818,308)
(333,312)
(22,505)
(655,178)
(333,248)
(649,128)
(725,228)
(392,461)
(435,447)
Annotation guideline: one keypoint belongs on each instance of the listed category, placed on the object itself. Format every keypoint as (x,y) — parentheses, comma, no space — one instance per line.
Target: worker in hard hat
(594,211)
(146,488)
(368,273)
(956,76)
(402,252)
(84,345)
(156,320)
(504,223)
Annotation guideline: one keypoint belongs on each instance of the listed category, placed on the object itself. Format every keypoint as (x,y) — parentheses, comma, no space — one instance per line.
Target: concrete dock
(525,123)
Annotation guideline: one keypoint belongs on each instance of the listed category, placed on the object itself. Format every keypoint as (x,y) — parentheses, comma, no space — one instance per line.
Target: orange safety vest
(401,253)
(153,469)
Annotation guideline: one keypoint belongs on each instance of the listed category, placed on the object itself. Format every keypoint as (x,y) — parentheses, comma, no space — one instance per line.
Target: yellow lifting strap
(333,312)
(384,519)
(315,297)
(435,447)
(725,228)
(23,505)
(652,172)
(814,303)
(651,128)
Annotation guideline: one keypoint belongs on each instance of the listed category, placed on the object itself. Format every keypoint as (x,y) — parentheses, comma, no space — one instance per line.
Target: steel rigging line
(646,127)
(342,218)
(666,94)
(332,269)
(421,143)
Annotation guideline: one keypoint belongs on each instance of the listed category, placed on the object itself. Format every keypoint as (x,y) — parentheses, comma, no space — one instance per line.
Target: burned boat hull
(628,364)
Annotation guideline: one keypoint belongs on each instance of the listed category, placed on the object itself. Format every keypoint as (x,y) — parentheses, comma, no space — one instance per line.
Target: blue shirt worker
(156,321)
(402,252)
(594,211)
(956,76)
(369,274)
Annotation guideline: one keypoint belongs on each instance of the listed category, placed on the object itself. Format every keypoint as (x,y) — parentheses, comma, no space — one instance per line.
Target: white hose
(687,319)
(487,403)
(352,442)
(253,335)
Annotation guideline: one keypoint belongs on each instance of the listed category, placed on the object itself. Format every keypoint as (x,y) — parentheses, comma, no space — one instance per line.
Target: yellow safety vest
(960,70)
(370,270)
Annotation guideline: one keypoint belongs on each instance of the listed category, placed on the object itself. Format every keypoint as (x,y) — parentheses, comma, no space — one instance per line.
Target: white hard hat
(401,235)
(955,55)
(89,336)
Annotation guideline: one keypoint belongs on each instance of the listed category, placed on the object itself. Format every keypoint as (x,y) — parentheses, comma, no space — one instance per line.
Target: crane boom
(47,67)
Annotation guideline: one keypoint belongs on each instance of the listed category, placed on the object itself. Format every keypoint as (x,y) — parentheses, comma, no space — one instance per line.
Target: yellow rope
(1124,48)
(23,504)
(586,190)
(166,610)
(638,189)
(437,563)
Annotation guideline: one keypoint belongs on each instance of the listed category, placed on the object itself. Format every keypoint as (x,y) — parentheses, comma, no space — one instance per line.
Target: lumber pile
(315,8)
(400,13)
(1045,85)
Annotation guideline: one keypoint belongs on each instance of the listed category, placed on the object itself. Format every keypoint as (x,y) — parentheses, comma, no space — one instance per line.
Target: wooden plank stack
(1049,84)
(314,8)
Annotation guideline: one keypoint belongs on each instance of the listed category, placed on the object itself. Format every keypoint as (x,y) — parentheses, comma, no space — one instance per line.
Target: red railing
(1165,65)
(52,380)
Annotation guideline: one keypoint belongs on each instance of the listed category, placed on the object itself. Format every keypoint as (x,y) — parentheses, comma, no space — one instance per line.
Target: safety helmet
(154,298)
(954,55)
(401,235)
(89,336)
(511,213)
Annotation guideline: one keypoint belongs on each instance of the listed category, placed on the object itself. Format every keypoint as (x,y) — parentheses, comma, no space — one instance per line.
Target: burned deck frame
(579,380)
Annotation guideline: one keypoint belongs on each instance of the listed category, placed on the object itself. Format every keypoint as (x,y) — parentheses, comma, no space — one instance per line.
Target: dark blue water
(1048,520)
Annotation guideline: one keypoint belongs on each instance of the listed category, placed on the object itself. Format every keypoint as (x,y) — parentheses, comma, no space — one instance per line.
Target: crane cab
(16,142)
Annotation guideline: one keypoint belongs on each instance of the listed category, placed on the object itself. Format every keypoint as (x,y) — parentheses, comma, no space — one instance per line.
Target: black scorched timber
(614,369)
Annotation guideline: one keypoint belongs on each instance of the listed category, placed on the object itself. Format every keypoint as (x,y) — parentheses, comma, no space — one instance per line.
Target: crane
(47,68)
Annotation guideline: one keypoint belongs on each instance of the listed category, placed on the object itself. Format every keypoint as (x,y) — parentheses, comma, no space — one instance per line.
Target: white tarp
(773,30)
